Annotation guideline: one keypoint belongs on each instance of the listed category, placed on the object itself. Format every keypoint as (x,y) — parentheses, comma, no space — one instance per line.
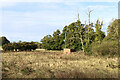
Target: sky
(32,20)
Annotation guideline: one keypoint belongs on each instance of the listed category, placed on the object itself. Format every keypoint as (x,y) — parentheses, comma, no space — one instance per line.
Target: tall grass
(51,64)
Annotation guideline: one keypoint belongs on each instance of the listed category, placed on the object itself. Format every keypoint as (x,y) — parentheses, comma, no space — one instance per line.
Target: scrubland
(55,64)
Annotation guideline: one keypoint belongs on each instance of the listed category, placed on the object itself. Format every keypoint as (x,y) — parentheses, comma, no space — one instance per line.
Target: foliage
(105,48)
(20,46)
(54,42)
(76,37)
(39,45)
(8,47)
(3,40)
(112,31)
(106,45)
(72,35)
(99,34)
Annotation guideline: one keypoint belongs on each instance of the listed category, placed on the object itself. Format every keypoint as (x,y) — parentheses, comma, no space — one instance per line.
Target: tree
(39,45)
(89,12)
(8,47)
(16,46)
(20,46)
(47,42)
(76,36)
(32,46)
(72,40)
(99,34)
(81,32)
(4,40)
(112,31)
(58,41)
(54,42)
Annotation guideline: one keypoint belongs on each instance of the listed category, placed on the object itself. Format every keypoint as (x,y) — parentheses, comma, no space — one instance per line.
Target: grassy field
(55,64)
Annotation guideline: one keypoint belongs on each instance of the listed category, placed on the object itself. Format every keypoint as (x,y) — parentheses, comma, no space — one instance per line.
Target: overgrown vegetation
(54,64)
(105,48)
(77,35)
(109,45)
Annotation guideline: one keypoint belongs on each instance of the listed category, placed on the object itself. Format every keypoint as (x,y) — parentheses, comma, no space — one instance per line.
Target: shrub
(105,48)
(8,47)
(25,46)
(5,48)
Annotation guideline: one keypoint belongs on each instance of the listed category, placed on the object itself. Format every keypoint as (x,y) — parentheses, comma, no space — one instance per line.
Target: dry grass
(55,64)
(1,48)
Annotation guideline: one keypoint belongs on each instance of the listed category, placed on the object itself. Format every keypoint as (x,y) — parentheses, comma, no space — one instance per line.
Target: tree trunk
(82,43)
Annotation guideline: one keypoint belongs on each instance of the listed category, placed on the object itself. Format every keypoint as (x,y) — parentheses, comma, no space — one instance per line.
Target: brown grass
(55,64)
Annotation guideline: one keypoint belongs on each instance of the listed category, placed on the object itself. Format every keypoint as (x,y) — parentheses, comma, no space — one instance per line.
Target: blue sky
(31,21)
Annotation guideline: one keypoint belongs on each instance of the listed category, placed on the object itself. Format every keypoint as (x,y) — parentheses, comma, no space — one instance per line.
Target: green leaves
(99,34)
(3,40)
(20,46)
(54,42)
(112,31)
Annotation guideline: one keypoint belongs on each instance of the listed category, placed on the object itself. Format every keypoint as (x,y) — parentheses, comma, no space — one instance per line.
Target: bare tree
(89,13)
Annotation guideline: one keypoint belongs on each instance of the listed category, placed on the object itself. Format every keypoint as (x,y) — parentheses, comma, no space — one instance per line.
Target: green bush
(8,47)
(105,48)
(24,46)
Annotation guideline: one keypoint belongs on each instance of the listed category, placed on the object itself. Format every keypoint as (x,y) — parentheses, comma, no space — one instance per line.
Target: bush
(25,46)
(5,47)
(8,47)
(105,48)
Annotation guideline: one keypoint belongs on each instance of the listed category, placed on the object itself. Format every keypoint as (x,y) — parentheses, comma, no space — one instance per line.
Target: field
(55,64)
(0,48)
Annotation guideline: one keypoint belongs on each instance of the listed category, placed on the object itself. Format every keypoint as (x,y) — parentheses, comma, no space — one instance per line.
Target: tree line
(86,37)
(18,46)
(77,35)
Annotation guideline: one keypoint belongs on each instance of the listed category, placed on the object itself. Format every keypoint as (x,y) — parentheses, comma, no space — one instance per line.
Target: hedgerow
(20,46)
